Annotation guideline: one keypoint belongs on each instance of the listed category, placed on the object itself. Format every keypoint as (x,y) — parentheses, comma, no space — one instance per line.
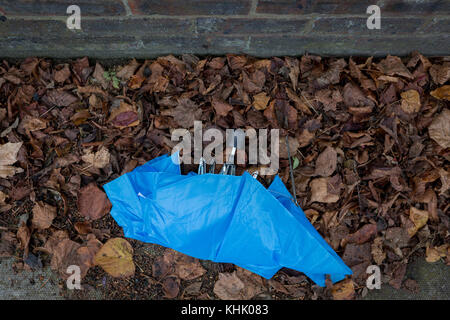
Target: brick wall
(148,28)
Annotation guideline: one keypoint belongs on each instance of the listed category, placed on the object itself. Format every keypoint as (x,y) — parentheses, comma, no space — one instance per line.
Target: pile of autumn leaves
(136,107)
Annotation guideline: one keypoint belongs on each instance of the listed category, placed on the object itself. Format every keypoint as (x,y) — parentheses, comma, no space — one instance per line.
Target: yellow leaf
(419,218)
(116,258)
(442,93)
(434,254)
(410,101)
(260,101)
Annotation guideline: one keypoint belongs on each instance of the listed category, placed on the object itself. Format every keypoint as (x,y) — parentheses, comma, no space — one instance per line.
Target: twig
(309,103)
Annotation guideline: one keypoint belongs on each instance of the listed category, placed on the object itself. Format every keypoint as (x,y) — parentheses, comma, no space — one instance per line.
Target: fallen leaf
(59,98)
(93,202)
(32,124)
(8,156)
(124,116)
(229,287)
(260,101)
(410,101)
(8,244)
(116,258)
(343,290)
(439,130)
(364,234)
(64,255)
(171,287)
(24,235)
(99,75)
(320,192)
(293,147)
(440,73)
(442,93)
(43,215)
(128,70)
(434,254)
(222,108)
(253,283)
(2,198)
(62,74)
(83,227)
(393,66)
(355,254)
(445,180)
(377,252)
(185,113)
(326,162)
(419,218)
(99,159)
(86,254)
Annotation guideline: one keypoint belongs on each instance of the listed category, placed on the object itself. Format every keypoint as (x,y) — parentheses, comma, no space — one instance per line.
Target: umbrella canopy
(222,218)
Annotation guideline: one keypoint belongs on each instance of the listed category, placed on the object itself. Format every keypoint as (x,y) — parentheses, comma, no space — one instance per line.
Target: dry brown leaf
(378,254)
(83,227)
(260,101)
(128,70)
(434,254)
(99,159)
(99,75)
(171,287)
(8,242)
(64,255)
(185,267)
(59,98)
(93,202)
(293,147)
(185,113)
(393,66)
(445,180)
(135,81)
(253,283)
(419,218)
(343,290)
(439,129)
(222,108)
(2,198)
(442,93)
(23,235)
(229,287)
(410,101)
(364,234)
(440,73)
(8,156)
(124,116)
(326,162)
(86,254)
(62,74)
(32,123)
(320,192)
(43,215)
(116,258)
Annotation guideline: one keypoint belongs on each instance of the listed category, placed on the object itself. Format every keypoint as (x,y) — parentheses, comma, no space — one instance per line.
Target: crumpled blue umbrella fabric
(232,219)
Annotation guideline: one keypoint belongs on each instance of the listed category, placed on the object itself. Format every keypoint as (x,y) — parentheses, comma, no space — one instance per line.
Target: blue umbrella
(222,218)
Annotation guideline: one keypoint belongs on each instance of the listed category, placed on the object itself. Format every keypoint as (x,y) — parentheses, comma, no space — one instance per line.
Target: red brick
(59,7)
(250,25)
(390,7)
(189,7)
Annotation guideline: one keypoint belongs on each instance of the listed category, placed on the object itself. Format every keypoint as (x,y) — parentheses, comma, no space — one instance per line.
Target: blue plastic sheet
(222,218)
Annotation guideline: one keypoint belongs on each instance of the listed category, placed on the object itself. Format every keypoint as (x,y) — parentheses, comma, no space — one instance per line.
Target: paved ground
(40,284)
(433,280)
